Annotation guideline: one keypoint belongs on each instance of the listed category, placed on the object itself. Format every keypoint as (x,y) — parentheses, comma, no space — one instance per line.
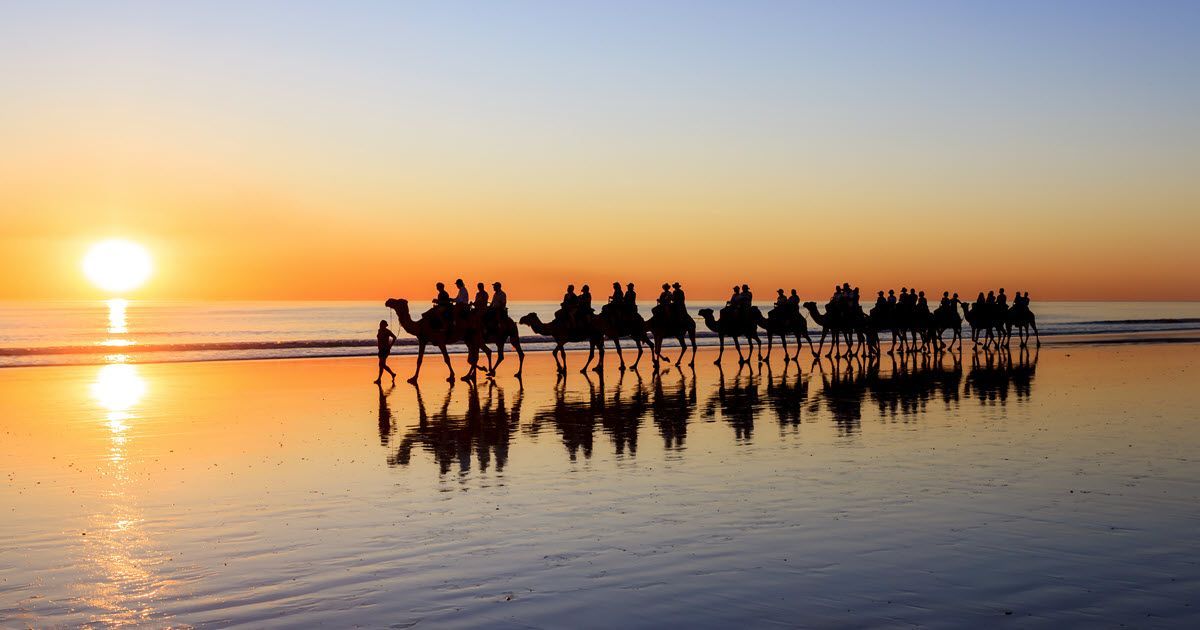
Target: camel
(614,326)
(778,322)
(836,325)
(947,318)
(503,330)
(563,334)
(663,326)
(1022,319)
(981,320)
(734,327)
(426,333)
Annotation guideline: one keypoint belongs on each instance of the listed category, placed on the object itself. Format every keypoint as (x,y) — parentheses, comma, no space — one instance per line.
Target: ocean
(97,332)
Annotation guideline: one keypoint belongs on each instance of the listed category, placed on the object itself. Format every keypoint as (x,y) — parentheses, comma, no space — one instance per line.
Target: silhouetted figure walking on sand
(384,340)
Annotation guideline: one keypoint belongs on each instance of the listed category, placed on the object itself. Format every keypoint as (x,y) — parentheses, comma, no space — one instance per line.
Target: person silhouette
(566,311)
(384,339)
(443,298)
(584,308)
(954,302)
(891,297)
(736,298)
(881,302)
(499,306)
(1002,299)
(630,299)
(443,310)
(780,299)
(747,296)
(481,298)
(618,296)
(677,301)
(991,298)
(664,298)
(794,302)
(461,299)
(945,299)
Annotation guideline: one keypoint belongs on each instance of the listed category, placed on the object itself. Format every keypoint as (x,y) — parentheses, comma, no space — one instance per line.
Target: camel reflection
(739,401)
(994,374)
(672,406)
(844,390)
(575,418)
(484,430)
(787,395)
(905,391)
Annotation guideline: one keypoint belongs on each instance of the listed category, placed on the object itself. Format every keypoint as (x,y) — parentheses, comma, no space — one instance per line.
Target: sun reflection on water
(121,557)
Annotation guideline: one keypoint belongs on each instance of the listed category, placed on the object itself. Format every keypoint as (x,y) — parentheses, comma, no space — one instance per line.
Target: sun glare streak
(117,324)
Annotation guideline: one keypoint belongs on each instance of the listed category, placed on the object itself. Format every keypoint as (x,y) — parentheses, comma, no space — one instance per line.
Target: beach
(1046,487)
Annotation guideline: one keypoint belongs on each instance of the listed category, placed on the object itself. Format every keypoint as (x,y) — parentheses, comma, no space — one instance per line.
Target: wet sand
(1048,489)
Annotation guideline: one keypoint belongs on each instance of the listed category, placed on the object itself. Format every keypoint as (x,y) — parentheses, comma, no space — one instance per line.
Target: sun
(117,265)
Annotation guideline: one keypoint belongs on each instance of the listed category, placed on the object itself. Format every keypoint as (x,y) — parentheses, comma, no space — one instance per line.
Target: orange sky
(373,165)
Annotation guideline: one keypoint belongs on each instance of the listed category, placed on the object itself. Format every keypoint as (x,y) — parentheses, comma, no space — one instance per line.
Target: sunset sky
(363,150)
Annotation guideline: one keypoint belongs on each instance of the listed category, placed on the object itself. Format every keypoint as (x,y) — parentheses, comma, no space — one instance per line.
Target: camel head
(706,313)
(812,306)
(531,320)
(395,303)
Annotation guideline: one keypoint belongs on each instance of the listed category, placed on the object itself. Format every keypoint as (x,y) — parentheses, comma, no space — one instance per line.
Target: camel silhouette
(668,325)
(563,333)
(1022,319)
(614,325)
(947,318)
(734,327)
(981,320)
(781,323)
(503,330)
(462,330)
(838,325)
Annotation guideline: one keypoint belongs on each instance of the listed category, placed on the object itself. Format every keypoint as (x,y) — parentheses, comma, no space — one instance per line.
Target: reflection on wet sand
(575,418)
(672,405)
(738,400)
(116,551)
(485,430)
(899,389)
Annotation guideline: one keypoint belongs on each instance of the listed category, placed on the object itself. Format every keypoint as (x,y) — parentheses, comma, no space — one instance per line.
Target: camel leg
(499,359)
(487,351)
(721,352)
(449,365)
(516,343)
(639,354)
(738,346)
(591,355)
(600,363)
(820,346)
(420,358)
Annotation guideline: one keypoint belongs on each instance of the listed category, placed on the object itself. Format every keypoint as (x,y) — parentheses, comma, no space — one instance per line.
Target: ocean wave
(299,348)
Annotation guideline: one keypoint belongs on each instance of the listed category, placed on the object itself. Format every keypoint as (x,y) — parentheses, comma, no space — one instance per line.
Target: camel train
(913,327)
